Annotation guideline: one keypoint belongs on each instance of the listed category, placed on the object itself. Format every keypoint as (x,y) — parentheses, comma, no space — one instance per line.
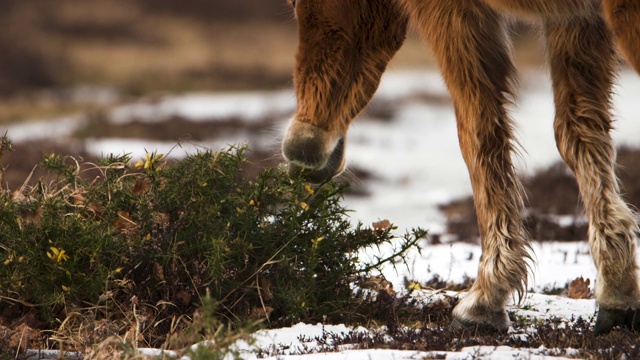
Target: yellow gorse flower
(315,242)
(413,286)
(308,188)
(9,259)
(57,255)
(150,161)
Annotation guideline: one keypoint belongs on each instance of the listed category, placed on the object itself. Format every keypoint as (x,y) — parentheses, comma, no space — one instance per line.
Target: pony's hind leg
(582,60)
(469,41)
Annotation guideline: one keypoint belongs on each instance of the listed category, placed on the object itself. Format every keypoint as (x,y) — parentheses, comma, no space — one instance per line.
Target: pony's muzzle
(313,152)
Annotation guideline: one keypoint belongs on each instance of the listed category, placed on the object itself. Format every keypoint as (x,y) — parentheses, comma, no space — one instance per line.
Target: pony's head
(344,47)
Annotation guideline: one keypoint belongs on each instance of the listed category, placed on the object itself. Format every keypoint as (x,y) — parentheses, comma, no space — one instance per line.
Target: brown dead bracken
(579,289)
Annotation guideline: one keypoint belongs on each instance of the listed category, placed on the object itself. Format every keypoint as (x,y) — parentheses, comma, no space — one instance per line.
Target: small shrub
(141,245)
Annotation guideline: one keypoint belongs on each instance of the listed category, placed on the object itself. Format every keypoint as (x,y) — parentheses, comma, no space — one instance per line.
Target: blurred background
(150,47)
(141,47)
(80,58)
(66,65)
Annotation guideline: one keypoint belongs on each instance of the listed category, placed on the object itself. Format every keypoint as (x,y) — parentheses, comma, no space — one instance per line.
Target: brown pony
(344,48)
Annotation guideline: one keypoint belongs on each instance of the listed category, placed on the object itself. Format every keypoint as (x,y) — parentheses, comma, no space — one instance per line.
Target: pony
(344,47)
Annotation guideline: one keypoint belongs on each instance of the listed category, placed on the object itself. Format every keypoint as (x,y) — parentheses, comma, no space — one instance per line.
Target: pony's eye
(293,3)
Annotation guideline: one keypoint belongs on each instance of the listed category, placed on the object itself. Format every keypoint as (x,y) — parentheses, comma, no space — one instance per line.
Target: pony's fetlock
(474,314)
(492,322)
(609,318)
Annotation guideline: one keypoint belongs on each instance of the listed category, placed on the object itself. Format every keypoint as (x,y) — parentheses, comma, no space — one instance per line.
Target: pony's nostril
(308,151)
(333,166)
(313,152)
(308,145)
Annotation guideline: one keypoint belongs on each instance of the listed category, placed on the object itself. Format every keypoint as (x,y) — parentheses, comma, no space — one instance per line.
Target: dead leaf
(382,226)
(33,217)
(18,196)
(184,297)
(24,337)
(381,285)
(106,296)
(158,271)
(163,184)
(161,219)
(141,186)
(259,313)
(97,208)
(124,222)
(78,198)
(579,289)
(265,289)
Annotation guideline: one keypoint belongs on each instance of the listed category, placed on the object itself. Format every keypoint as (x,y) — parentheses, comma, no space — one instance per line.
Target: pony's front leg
(582,58)
(469,41)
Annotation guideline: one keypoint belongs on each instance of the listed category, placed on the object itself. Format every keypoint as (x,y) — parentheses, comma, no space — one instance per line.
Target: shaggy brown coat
(344,48)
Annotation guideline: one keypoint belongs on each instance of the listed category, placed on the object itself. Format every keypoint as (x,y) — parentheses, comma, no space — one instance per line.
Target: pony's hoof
(609,318)
(499,324)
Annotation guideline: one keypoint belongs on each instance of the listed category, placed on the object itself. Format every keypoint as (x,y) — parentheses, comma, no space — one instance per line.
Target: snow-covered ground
(557,264)
(416,165)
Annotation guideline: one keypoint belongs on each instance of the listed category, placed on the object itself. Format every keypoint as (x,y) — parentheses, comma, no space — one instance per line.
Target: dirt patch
(27,68)
(173,128)
(553,191)
(554,210)
(19,338)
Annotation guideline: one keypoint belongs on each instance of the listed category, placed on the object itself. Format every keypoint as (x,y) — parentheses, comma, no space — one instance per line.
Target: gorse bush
(156,237)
